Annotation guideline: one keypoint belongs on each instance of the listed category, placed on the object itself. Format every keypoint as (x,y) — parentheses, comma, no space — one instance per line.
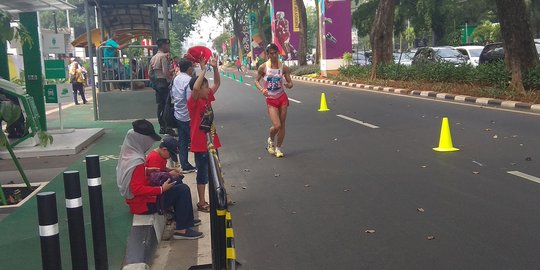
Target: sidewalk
(19,239)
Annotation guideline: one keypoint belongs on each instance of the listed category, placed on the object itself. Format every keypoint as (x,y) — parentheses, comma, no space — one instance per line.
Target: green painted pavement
(19,239)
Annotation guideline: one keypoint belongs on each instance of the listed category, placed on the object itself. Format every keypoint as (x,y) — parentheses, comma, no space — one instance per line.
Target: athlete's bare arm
(260,74)
(287,73)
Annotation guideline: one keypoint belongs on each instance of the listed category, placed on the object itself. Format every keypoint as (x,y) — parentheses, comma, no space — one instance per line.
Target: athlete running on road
(273,72)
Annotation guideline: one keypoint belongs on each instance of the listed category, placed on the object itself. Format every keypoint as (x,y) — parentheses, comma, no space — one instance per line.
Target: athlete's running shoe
(279,154)
(270,147)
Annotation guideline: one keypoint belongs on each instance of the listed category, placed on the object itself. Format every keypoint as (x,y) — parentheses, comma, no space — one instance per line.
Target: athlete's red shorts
(279,102)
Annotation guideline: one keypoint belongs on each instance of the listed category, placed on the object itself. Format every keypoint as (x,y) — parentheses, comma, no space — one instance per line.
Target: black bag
(168,113)
(73,78)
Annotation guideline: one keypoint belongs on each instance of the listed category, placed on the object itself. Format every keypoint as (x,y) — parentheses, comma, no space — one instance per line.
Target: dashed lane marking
(526,176)
(357,121)
(295,101)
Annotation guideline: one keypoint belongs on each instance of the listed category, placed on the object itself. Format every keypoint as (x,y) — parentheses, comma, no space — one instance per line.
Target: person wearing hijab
(134,185)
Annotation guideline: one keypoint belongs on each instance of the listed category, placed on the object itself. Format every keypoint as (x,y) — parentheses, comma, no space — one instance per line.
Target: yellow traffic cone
(445,141)
(324,106)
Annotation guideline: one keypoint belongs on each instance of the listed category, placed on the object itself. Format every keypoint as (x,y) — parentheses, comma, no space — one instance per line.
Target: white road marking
(357,121)
(247,84)
(526,176)
(211,79)
(249,76)
(295,101)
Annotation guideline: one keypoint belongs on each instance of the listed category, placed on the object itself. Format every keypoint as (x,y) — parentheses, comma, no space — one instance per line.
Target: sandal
(205,207)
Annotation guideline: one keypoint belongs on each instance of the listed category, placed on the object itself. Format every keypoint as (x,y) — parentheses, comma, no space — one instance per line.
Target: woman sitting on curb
(132,179)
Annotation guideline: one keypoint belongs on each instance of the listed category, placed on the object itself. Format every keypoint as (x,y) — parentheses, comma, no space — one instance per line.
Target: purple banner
(336,25)
(285,27)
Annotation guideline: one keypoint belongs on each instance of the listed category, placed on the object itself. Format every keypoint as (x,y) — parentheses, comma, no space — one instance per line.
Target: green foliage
(531,80)
(7,32)
(312,24)
(185,16)
(304,70)
(363,16)
(347,58)
(493,75)
(45,138)
(220,40)
(487,31)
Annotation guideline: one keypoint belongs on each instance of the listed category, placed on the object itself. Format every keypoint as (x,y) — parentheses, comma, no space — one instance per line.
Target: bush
(494,75)
(531,80)
(304,70)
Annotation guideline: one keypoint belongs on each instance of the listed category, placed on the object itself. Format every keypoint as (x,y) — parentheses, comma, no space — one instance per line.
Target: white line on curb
(295,101)
(357,121)
(526,176)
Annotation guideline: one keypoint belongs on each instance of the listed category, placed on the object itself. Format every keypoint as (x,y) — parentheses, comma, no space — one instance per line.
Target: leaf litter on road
(370,231)
(421,210)
(430,237)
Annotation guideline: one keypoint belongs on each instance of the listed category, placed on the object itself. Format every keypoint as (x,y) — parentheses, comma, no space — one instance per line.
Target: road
(339,179)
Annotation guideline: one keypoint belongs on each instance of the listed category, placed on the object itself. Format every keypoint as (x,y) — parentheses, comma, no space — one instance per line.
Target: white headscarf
(132,154)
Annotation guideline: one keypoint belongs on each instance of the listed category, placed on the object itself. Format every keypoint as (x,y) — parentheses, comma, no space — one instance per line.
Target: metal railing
(125,70)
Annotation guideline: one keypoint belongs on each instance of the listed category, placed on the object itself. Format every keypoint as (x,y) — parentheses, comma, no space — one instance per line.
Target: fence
(123,71)
(223,249)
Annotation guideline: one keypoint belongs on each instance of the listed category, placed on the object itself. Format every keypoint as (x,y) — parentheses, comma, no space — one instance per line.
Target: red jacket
(141,189)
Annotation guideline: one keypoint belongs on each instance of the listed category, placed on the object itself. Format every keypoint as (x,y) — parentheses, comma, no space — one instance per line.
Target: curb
(143,240)
(443,96)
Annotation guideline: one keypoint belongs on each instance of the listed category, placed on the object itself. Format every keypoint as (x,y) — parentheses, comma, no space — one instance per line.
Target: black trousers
(78,88)
(161,86)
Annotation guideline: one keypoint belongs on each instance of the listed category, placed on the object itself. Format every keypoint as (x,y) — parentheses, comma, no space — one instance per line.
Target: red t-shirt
(197,109)
(142,191)
(154,160)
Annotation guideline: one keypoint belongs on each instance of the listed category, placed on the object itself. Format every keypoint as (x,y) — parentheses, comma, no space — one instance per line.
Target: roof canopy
(129,2)
(18,6)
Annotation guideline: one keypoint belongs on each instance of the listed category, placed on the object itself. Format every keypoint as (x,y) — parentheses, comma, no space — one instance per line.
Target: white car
(472,52)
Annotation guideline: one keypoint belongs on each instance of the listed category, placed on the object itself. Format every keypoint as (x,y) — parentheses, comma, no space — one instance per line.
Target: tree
(218,42)
(312,28)
(8,32)
(303,33)
(382,35)
(486,32)
(520,52)
(184,19)
(235,10)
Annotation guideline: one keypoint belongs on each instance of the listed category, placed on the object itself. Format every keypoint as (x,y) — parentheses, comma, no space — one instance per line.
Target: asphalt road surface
(341,179)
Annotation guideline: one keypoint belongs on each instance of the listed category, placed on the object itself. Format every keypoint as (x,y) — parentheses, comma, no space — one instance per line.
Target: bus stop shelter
(122,16)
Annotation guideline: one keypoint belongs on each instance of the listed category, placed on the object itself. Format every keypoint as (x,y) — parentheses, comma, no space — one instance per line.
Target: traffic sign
(55,69)
(57,93)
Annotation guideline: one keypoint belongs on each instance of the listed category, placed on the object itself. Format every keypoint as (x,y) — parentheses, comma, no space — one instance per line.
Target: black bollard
(93,173)
(77,238)
(48,231)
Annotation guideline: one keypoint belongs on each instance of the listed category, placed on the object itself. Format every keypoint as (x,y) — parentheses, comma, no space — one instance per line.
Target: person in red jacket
(141,197)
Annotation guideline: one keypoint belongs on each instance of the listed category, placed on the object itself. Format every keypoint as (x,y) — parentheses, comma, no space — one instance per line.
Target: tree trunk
(303,33)
(318,48)
(519,49)
(381,36)
(261,13)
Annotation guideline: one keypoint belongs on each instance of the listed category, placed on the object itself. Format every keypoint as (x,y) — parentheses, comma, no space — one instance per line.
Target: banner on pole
(257,45)
(335,18)
(283,31)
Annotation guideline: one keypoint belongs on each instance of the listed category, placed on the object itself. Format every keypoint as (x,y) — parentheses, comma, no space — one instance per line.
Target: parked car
(472,52)
(495,52)
(404,58)
(439,55)
(361,58)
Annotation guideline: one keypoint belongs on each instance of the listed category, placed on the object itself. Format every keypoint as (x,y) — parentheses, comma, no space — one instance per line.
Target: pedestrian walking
(200,111)
(181,92)
(77,81)
(273,72)
(238,64)
(160,77)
